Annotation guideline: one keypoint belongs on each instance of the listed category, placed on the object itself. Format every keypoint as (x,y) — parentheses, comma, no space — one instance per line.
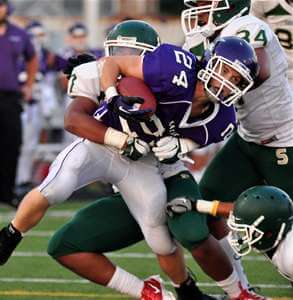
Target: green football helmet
(220,14)
(261,218)
(131,37)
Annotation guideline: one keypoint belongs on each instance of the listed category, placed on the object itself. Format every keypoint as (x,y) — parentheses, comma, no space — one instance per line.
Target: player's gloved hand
(129,108)
(169,149)
(77,60)
(135,148)
(178,206)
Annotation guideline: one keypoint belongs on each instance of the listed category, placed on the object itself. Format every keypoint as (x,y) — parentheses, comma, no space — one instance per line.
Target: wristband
(207,207)
(110,92)
(115,138)
(215,207)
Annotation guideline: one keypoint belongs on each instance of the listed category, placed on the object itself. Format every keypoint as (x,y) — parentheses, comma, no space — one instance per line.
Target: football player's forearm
(214,208)
(31,69)
(109,72)
(95,131)
(86,127)
(111,67)
(264,71)
(78,120)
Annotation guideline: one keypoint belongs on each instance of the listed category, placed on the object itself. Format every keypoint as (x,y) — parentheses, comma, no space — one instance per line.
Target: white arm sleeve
(85,81)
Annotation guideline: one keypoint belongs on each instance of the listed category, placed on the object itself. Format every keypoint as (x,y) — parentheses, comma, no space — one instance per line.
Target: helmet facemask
(213,72)
(191,18)
(244,237)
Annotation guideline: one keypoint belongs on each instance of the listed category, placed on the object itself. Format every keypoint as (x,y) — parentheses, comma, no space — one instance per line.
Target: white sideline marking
(40,233)
(83,281)
(125,255)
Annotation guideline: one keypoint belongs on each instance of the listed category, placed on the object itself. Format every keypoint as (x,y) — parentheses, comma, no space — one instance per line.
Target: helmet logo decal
(127,39)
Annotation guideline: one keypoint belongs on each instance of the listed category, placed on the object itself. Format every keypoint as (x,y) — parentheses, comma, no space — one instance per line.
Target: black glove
(10,237)
(77,60)
(128,108)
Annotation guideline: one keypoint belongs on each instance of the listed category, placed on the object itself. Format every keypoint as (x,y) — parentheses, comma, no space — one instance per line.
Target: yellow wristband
(214,209)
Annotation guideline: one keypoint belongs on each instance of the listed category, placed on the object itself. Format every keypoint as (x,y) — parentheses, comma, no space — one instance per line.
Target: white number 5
(282,156)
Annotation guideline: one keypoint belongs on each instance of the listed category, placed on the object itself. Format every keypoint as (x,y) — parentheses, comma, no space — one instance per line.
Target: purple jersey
(15,46)
(171,74)
(215,126)
(46,65)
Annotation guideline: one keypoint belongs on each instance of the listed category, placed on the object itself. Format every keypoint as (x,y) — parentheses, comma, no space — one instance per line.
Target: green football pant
(240,165)
(107,225)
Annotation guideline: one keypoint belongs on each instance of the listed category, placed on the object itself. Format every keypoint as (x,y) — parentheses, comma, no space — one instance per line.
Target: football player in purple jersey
(41,105)
(183,126)
(135,147)
(15,45)
(171,74)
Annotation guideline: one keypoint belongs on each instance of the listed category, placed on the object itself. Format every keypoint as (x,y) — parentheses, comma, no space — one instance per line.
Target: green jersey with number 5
(266,113)
(279,15)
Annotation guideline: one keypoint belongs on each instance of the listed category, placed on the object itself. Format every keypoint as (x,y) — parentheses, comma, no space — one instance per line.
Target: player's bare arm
(112,67)
(79,120)
(264,66)
(31,68)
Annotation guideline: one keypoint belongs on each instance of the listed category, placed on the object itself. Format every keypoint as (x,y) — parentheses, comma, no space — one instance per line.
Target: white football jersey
(279,15)
(266,116)
(283,257)
(85,81)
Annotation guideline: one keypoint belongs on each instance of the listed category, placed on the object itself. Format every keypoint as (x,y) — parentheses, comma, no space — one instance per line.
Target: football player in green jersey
(261,219)
(261,150)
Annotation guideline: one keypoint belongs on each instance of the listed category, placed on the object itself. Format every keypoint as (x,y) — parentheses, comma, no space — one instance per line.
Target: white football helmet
(219,14)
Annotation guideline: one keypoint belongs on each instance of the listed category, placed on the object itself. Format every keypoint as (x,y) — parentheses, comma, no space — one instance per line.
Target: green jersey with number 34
(266,113)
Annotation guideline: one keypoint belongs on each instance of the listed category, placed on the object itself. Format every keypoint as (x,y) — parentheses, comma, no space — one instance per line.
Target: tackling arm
(264,66)
(79,120)
(214,208)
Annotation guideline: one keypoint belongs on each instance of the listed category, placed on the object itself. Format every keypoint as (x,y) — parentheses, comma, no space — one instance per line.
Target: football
(131,86)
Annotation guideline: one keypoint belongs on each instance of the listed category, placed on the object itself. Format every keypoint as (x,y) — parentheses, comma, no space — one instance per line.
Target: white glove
(169,149)
(135,148)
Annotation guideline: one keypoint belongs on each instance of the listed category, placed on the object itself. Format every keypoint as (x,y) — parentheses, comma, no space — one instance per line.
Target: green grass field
(32,275)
